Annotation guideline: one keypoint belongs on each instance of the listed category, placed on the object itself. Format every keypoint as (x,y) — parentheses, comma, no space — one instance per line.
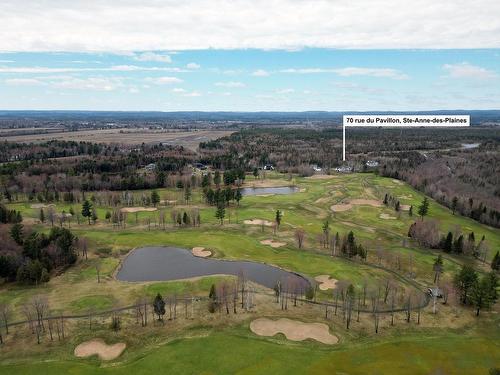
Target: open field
(199,345)
(188,139)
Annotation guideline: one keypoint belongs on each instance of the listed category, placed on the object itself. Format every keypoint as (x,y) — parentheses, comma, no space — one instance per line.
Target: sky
(250,55)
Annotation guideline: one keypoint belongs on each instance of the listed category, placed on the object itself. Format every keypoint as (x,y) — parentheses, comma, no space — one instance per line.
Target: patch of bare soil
(201,252)
(405,207)
(138,209)
(272,243)
(100,348)
(321,200)
(258,222)
(326,282)
(341,207)
(355,202)
(42,205)
(398,182)
(366,202)
(263,183)
(387,217)
(293,330)
(320,177)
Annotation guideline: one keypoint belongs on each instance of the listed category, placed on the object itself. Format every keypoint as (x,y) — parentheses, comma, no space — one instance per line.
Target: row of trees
(480,292)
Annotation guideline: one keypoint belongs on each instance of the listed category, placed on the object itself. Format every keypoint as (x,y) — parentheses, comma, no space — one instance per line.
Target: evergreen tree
(410,211)
(398,206)
(458,245)
(185,219)
(495,263)
(220,213)
(256,172)
(448,243)
(454,203)
(464,281)
(212,299)
(16,232)
(159,306)
(155,198)
(385,199)
(278,218)
(87,210)
(423,209)
(42,216)
(238,196)
(217,178)
(483,293)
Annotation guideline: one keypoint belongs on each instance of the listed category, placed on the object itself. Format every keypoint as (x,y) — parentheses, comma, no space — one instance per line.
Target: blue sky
(252,80)
(249,55)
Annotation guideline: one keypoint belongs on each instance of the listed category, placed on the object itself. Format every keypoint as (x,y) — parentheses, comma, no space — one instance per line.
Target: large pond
(269,190)
(171,263)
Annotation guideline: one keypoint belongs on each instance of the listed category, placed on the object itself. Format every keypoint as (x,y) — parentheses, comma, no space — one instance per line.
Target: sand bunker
(201,252)
(259,222)
(293,330)
(341,207)
(100,348)
(398,182)
(273,243)
(138,209)
(326,282)
(355,202)
(387,217)
(42,205)
(405,207)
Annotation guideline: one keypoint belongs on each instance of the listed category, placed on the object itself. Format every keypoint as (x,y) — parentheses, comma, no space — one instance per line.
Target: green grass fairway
(453,341)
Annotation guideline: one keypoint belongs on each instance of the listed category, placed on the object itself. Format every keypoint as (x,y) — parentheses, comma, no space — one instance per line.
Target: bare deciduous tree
(299,236)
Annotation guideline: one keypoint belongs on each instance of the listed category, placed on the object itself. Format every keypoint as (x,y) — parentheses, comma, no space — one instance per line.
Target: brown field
(188,139)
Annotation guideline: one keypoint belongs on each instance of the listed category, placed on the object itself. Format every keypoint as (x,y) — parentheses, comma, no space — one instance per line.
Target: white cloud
(151,56)
(91,83)
(466,70)
(152,25)
(230,84)
(114,68)
(285,91)
(178,90)
(192,94)
(23,82)
(261,73)
(193,66)
(350,71)
(164,80)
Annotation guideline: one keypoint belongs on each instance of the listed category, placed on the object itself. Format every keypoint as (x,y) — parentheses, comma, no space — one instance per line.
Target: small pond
(470,145)
(171,263)
(269,190)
